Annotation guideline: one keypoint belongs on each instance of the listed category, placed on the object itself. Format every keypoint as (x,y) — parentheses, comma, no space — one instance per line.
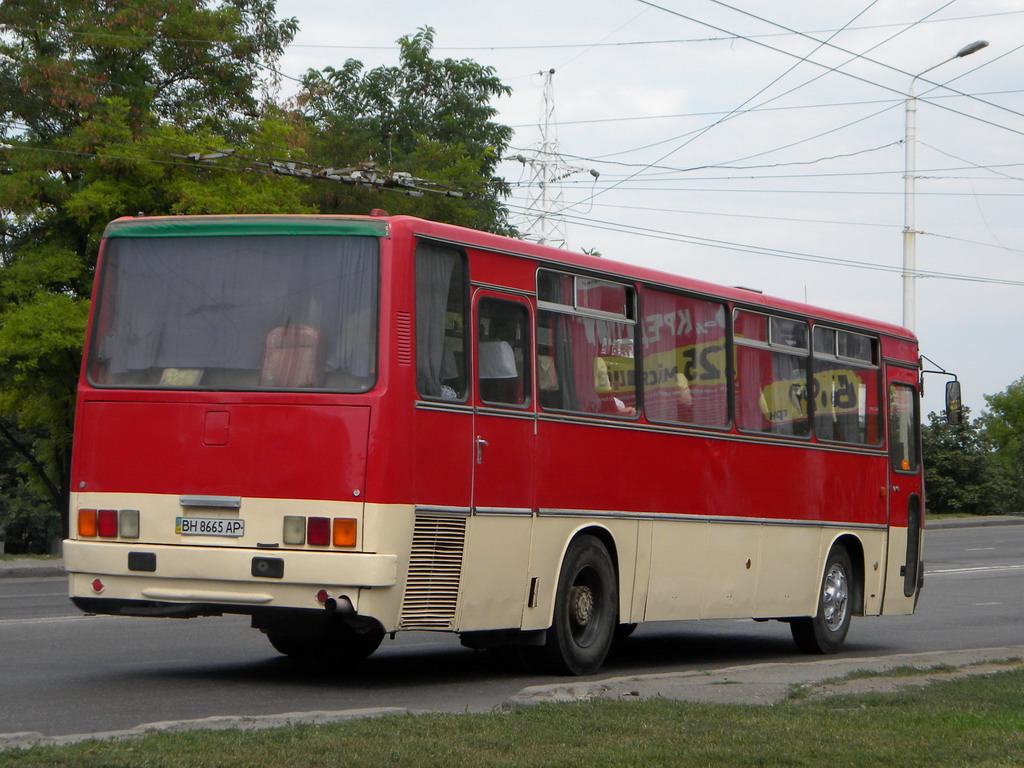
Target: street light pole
(909,232)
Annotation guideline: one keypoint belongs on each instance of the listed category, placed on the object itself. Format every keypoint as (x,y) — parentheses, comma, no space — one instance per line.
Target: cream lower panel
(789,568)
(895,601)
(177,581)
(701,569)
(551,536)
(231,565)
(495,583)
(387,528)
(874,543)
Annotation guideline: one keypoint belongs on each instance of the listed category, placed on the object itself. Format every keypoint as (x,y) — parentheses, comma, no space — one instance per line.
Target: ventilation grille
(435,568)
(403,328)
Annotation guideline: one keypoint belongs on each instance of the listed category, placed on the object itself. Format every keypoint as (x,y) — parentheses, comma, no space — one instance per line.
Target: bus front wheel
(826,631)
(586,610)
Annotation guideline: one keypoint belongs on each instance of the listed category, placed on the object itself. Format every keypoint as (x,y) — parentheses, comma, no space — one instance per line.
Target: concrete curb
(764,684)
(28,739)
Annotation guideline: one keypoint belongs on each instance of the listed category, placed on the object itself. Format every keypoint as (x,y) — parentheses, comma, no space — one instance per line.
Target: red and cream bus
(349,426)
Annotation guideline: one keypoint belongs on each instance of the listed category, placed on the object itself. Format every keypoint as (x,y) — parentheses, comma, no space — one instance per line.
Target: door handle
(480,445)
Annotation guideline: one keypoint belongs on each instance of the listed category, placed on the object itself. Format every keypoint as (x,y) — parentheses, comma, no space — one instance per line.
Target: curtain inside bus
(200,311)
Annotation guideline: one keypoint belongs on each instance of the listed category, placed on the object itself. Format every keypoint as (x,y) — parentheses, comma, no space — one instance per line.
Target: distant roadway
(67,673)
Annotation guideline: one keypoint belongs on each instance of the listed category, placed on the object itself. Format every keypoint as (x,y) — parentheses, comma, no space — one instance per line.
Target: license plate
(209,526)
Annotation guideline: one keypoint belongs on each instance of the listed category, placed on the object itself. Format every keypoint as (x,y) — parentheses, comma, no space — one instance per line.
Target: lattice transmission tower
(544,214)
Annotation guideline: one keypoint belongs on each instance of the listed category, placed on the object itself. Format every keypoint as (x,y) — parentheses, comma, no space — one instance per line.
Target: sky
(759,144)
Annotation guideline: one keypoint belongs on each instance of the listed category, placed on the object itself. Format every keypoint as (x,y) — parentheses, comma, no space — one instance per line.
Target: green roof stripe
(234,226)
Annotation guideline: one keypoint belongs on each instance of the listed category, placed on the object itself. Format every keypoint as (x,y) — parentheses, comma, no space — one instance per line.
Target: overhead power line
(779,253)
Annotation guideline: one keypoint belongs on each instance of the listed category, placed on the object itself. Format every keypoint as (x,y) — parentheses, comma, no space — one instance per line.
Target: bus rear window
(237,313)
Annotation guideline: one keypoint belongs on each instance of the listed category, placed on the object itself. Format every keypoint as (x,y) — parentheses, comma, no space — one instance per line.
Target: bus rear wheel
(586,610)
(826,631)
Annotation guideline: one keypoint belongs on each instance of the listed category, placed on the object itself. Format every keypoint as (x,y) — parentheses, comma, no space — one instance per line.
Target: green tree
(95,98)
(1004,428)
(961,475)
(113,107)
(429,117)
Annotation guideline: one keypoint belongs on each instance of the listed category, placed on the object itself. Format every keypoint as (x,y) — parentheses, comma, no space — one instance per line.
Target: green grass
(8,557)
(977,722)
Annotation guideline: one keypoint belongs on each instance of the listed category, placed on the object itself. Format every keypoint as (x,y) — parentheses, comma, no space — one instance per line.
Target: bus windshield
(237,313)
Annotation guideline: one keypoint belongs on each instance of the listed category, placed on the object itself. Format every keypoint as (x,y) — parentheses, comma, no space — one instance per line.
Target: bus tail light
(344,532)
(318,531)
(107,523)
(128,523)
(87,523)
(294,530)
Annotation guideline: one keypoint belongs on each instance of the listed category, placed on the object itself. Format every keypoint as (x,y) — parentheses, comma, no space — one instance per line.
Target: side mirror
(953,402)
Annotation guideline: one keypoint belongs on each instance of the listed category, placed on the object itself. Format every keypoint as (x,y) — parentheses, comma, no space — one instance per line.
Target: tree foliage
(113,107)
(1004,425)
(961,474)
(429,117)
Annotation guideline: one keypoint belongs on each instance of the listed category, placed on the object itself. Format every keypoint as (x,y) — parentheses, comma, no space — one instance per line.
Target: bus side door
(498,548)
(905,493)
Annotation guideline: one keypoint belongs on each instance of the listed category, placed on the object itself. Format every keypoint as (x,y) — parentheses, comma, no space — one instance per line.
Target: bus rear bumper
(163,580)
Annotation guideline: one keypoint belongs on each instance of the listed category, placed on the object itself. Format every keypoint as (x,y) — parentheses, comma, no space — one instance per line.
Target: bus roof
(387,226)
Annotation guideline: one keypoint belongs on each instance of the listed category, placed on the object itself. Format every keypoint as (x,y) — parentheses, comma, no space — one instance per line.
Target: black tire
(826,631)
(586,610)
(340,643)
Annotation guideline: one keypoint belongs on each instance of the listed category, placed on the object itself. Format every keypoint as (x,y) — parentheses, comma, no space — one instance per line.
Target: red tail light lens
(107,523)
(318,531)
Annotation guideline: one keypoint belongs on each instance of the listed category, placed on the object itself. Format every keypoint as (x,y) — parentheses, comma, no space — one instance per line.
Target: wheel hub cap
(835,598)
(581,605)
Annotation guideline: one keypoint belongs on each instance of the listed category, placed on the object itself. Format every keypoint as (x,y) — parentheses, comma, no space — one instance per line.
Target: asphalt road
(66,673)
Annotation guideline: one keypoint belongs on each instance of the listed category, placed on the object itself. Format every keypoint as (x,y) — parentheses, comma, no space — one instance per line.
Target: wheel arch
(602,534)
(855,550)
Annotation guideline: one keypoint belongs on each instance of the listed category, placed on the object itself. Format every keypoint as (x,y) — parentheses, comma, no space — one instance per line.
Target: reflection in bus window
(771,374)
(845,388)
(903,428)
(440,322)
(586,364)
(684,360)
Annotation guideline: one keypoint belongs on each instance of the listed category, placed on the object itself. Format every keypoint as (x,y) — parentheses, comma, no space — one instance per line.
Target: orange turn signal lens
(344,532)
(87,522)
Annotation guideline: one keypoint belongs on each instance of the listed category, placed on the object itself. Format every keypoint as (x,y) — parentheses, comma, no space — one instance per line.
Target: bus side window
(903,428)
(772,359)
(502,352)
(441,301)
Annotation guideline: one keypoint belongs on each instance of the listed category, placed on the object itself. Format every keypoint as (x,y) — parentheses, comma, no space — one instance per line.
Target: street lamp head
(974,47)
